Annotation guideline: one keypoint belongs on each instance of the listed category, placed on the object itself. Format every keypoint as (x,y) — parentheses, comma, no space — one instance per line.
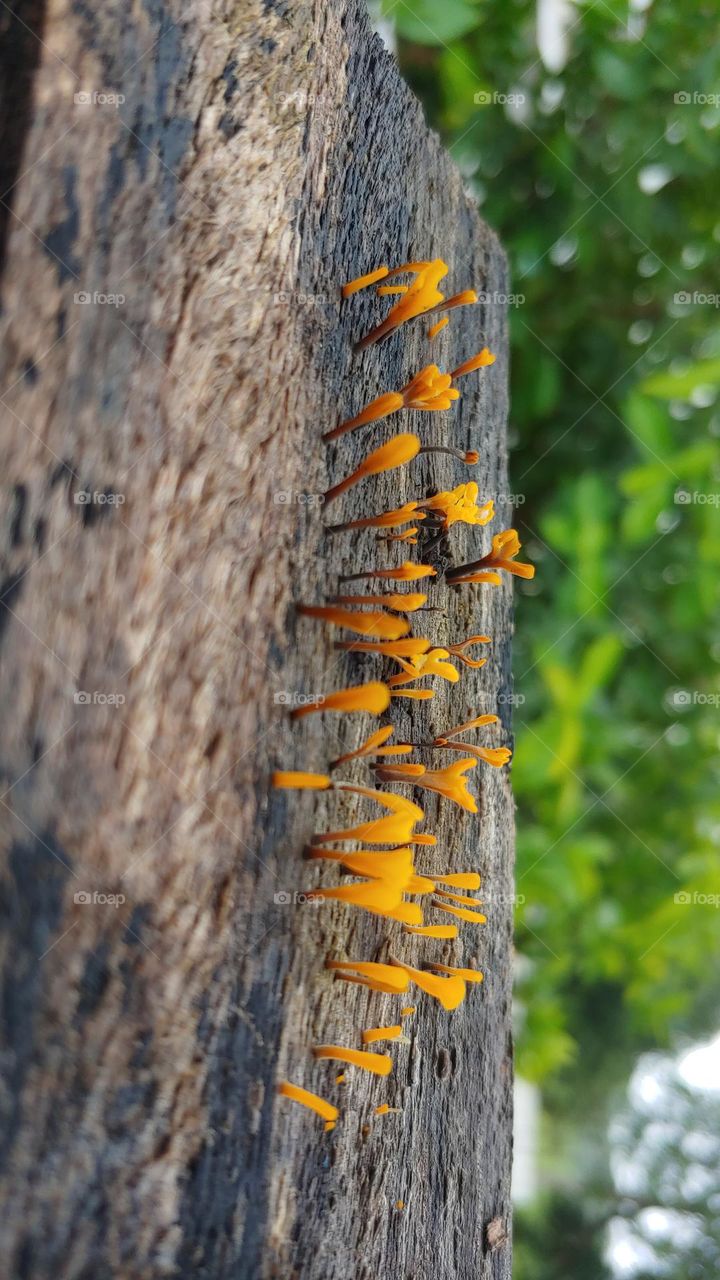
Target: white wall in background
(526,1139)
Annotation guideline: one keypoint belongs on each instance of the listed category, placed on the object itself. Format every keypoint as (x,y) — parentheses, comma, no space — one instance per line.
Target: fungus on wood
(187,188)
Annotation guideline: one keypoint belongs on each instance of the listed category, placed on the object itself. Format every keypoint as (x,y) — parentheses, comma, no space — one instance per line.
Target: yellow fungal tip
(373,1034)
(383,626)
(362,282)
(291,779)
(450,991)
(307,1099)
(373,697)
(434,931)
(462,913)
(381,977)
(435,328)
(378,1064)
(460,880)
(468,975)
(419,695)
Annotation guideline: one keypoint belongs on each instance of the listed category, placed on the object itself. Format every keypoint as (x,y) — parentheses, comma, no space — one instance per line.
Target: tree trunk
(174,345)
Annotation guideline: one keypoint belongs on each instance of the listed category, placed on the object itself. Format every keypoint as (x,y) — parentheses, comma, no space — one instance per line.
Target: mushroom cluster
(383,879)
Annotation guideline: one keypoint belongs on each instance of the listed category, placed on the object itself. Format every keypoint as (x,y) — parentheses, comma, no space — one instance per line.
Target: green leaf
(639,519)
(680,386)
(561,683)
(618,78)
(426,22)
(547,385)
(649,423)
(639,481)
(598,664)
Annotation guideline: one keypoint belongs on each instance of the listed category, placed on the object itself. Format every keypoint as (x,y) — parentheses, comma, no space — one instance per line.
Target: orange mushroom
(379,1064)
(315,1103)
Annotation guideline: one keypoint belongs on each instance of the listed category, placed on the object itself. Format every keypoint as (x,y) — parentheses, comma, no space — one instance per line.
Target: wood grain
(155,986)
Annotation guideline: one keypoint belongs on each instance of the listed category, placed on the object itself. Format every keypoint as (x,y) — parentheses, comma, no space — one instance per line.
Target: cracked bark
(262,153)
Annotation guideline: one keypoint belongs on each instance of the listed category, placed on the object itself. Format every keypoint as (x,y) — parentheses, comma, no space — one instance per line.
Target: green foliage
(577,1252)
(682,383)
(426,22)
(604,189)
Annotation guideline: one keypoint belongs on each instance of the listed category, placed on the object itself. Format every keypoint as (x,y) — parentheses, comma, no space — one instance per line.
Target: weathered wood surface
(262,154)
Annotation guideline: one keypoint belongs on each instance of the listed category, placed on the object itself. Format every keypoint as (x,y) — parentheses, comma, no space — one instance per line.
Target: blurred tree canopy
(666,1165)
(598,167)
(660,1206)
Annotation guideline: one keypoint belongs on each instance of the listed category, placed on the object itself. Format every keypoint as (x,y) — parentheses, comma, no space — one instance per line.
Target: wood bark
(173,345)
